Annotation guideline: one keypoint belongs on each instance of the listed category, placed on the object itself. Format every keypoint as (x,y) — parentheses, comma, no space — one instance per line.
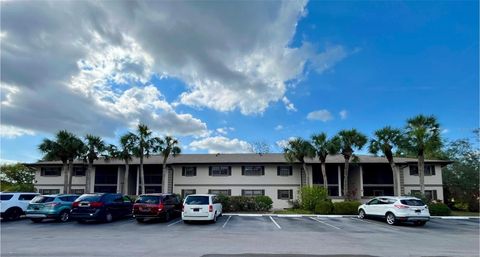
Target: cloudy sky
(221,75)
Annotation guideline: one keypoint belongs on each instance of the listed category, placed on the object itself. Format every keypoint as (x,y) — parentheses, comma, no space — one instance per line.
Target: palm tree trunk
(345,178)
(307,180)
(65,176)
(324,175)
(165,178)
(127,175)
(70,176)
(395,180)
(421,173)
(88,177)
(142,177)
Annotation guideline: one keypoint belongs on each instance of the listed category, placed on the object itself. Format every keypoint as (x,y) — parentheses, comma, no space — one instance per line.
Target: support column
(92,181)
(119,180)
(138,178)
(339,181)
(361,181)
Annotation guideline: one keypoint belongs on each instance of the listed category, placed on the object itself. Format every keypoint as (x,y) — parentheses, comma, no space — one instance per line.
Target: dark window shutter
(291,194)
(243,170)
(229,170)
(183,171)
(278,194)
(263,170)
(195,171)
(291,170)
(263,191)
(210,170)
(229,192)
(433,170)
(278,170)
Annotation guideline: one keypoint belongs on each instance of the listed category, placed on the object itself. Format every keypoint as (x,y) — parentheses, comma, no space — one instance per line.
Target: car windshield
(43,199)
(412,202)
(89,198)
(149,199)
(5,197)
(197,200)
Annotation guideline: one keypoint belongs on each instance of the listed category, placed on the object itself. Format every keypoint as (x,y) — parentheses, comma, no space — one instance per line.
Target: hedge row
(344,208)
(439,209)
(245,203)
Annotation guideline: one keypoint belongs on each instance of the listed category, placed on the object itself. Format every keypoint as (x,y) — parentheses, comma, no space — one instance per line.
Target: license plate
(418,211)
(196,209)
(145,209)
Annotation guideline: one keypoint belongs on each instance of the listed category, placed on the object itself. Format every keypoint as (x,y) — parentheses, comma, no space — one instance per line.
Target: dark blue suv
(101,207)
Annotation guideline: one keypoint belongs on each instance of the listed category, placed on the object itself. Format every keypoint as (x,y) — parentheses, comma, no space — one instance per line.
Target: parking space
(256,233)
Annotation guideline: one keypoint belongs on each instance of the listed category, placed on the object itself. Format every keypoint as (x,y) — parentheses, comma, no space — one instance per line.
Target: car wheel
(186,222)
(214,220)
(14,213)
(64,216)
(108,217)
(419,223)
(81,221)
(36,220)
(140,220)
(361,214)
(391,220)
(167,216)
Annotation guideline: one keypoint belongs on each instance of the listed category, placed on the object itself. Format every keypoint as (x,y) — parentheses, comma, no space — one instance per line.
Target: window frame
(289,197)
(185,171)
(43,169)
(211,171)
(428,170)
(75,171)
(228,192)
(290,170)
(50,191)
(253,169)
(253,194)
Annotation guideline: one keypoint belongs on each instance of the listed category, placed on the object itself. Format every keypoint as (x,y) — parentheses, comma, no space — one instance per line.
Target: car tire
(81,221)
(186,222)
(140,220)
(64,216)
(167,216)
(14,213)
(361,214)
(108,217)
(391,219)
(214,220)
(36,220)
(419,223)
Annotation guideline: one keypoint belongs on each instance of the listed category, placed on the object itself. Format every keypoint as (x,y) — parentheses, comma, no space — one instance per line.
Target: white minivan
(201,207)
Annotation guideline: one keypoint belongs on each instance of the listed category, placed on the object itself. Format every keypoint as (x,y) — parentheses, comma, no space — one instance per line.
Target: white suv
(396,209)
(201,207)
(13,205)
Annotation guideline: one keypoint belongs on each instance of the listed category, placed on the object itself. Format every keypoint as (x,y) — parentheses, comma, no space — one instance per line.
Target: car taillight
(210,208)
(401,206)
(96,204)
(160,207)
(75,204)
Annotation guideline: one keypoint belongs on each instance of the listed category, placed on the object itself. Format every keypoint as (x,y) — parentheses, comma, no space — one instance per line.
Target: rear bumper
(44,215)
(86,216)
(414,218)
(209,216)
(148,215)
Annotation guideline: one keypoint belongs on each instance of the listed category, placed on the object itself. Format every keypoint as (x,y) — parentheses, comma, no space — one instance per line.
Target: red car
(157,206)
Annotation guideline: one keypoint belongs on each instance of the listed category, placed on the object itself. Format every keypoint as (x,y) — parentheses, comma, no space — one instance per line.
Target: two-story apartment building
(244,174)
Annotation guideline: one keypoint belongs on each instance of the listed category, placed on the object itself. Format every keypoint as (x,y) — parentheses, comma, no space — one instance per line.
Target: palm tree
(345,143)
(385,141)
(422,135)
(127,144)
(143,146)
(297,150)
(56,150)
(76,149)
(322,145)
(166,147)
(94,146)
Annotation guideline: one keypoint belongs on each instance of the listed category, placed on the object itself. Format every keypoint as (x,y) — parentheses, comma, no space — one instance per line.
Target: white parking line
(274,222)
(325,223)
(173,223)
(224,224)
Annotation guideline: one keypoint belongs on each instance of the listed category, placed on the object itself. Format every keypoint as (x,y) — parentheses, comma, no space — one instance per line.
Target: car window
(373,202)
(5,197)
(127,199)
(89,198)
(412,202)
(43,199)
(118,199)
(177,200)
(148,199)
(72,198)
(197,200)
(65,198)
(26,197)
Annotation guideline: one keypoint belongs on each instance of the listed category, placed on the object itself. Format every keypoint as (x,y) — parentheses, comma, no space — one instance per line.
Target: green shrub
(324,207)
(460,206)
(225,201)
(439,209)
(263,202)
(133,197)
(346,208)
(311,195)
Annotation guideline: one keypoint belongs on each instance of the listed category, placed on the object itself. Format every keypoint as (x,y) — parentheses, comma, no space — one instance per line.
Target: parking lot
(242,234)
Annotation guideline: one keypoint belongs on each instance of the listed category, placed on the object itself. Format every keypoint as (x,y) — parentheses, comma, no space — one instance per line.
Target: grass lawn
(465,213)
(293,211)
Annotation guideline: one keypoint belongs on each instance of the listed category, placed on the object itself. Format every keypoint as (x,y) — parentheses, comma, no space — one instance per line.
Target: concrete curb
(332,216)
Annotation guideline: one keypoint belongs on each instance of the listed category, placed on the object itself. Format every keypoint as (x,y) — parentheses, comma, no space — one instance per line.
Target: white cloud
(445,131)
(289,105)
(322,115)
(343,114)
(281,144)
(279,127)
(12,131)
(224,130)
(220,144)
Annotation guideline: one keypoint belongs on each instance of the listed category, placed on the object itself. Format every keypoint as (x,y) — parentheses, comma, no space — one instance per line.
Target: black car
(101,207)
(163,206)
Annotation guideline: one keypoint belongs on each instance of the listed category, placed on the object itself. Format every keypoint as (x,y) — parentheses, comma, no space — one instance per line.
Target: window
(254,192)
(253,170)
(186,192)
(43,199)
(378,192)
(220,191)
(26,197)
(189,171)
(284,171)
(220,171)
(429,170)
(65,198)
(285,194)
(49,191)
(78,191)
(430,194)
(79,171)
(197,200)
(5,197)
(51,171)
(72,198)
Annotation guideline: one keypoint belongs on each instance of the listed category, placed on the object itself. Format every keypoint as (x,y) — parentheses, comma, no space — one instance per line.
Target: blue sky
(233,74)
